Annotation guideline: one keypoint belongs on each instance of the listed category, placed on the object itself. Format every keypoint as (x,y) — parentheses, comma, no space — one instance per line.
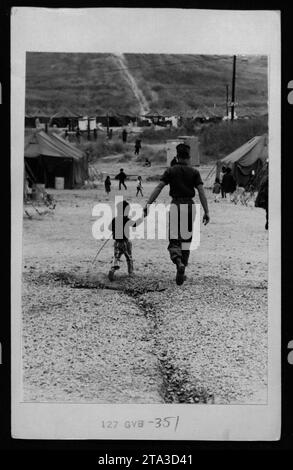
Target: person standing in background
(108,185)
(121,177)
(139,186)
(124,136)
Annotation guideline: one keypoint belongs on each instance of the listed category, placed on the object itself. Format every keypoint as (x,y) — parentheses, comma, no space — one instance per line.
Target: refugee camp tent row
(251,156)
(248,158)
(48,156)
(65,117)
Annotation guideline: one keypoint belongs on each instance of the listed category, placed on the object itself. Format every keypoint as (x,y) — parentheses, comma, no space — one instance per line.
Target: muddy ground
(145,339)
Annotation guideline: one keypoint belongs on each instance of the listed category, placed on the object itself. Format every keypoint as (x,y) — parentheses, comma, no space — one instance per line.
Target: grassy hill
(91,83)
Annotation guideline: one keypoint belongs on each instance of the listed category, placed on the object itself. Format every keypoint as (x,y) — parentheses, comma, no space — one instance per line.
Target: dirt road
(144,340)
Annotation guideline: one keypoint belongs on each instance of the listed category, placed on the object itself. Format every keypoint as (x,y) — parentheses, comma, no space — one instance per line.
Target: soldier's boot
(130,267)
(180,275)
(185,257)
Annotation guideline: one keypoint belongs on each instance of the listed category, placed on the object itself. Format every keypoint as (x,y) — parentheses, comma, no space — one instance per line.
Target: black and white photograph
(145,236)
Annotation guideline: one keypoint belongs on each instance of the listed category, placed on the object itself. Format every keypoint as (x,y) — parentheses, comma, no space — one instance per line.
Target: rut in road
(173,383)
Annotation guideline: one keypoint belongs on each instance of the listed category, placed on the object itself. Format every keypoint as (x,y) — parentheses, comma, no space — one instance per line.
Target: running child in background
(119,227)
(217,190)
(139,186)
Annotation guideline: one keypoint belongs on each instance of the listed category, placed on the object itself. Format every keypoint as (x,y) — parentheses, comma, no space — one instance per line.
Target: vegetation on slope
(91,83)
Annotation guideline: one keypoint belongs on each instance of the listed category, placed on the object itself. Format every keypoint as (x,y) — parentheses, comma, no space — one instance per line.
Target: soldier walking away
(121,177)
(182,180)
(137,146)
(120,226)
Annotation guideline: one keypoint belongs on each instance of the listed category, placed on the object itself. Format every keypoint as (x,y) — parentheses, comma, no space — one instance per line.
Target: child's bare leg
(116,260)
(128,256)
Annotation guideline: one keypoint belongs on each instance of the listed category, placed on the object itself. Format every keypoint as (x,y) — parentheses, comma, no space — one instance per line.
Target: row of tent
(247,162)
(48,155)
(117,118)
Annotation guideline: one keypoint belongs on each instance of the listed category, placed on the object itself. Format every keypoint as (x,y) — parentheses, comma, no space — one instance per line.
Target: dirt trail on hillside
(142,101)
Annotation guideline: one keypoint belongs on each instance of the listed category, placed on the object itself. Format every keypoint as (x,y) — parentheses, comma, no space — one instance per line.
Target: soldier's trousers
(123,247)
(181,219)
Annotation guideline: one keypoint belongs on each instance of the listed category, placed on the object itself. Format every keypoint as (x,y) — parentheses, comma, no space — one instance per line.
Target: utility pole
(233,88)
(227,100)
(108,123)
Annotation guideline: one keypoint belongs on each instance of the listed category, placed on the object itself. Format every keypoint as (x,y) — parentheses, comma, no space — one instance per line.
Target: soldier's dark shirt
(182,179)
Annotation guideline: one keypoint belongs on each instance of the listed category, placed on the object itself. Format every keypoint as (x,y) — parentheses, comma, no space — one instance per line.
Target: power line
(139,66)
(152,66)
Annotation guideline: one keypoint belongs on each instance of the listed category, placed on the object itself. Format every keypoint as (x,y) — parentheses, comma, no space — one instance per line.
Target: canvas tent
(65,117)
(250,156)
(36,118)
(48,156)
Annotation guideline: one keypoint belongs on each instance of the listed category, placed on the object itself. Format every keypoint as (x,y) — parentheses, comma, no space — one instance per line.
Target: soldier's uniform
(182,179)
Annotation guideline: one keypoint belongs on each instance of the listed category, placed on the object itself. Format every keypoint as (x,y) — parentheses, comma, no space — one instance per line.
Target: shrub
(101,148)
(153,156)
(125,158)
(218,140)
(167,133)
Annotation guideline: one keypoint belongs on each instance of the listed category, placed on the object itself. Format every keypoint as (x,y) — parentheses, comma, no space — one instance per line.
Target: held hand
(206,219)
(145,211)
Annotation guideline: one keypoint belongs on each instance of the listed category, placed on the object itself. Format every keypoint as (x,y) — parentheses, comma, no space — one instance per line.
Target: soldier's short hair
(183,151)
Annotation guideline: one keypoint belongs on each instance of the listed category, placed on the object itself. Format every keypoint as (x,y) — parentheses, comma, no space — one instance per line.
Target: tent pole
(233,88)
(72,174)
(211,172)
(45,177)
(227,100)
(31,175)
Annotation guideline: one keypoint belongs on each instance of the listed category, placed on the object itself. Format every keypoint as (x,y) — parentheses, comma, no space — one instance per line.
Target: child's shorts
(123,247)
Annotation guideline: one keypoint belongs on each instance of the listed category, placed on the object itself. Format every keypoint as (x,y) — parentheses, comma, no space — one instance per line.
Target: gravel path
(78,346)
(144,340)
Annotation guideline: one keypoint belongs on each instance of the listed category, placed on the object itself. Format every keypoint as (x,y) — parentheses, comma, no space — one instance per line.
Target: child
(223,171)
(217,190)
(122,244)
(137,146)
(108,185)
(121,177)
(139,186)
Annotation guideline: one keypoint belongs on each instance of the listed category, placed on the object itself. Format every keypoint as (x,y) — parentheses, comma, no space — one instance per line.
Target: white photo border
(176,31)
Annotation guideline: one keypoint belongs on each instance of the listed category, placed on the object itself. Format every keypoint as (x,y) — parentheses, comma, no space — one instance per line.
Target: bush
(101,148)
(153,156)
(218,140)
(166,133)
(125,158)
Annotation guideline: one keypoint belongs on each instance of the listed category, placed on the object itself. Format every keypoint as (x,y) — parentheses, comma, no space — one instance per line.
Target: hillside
(91,83)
